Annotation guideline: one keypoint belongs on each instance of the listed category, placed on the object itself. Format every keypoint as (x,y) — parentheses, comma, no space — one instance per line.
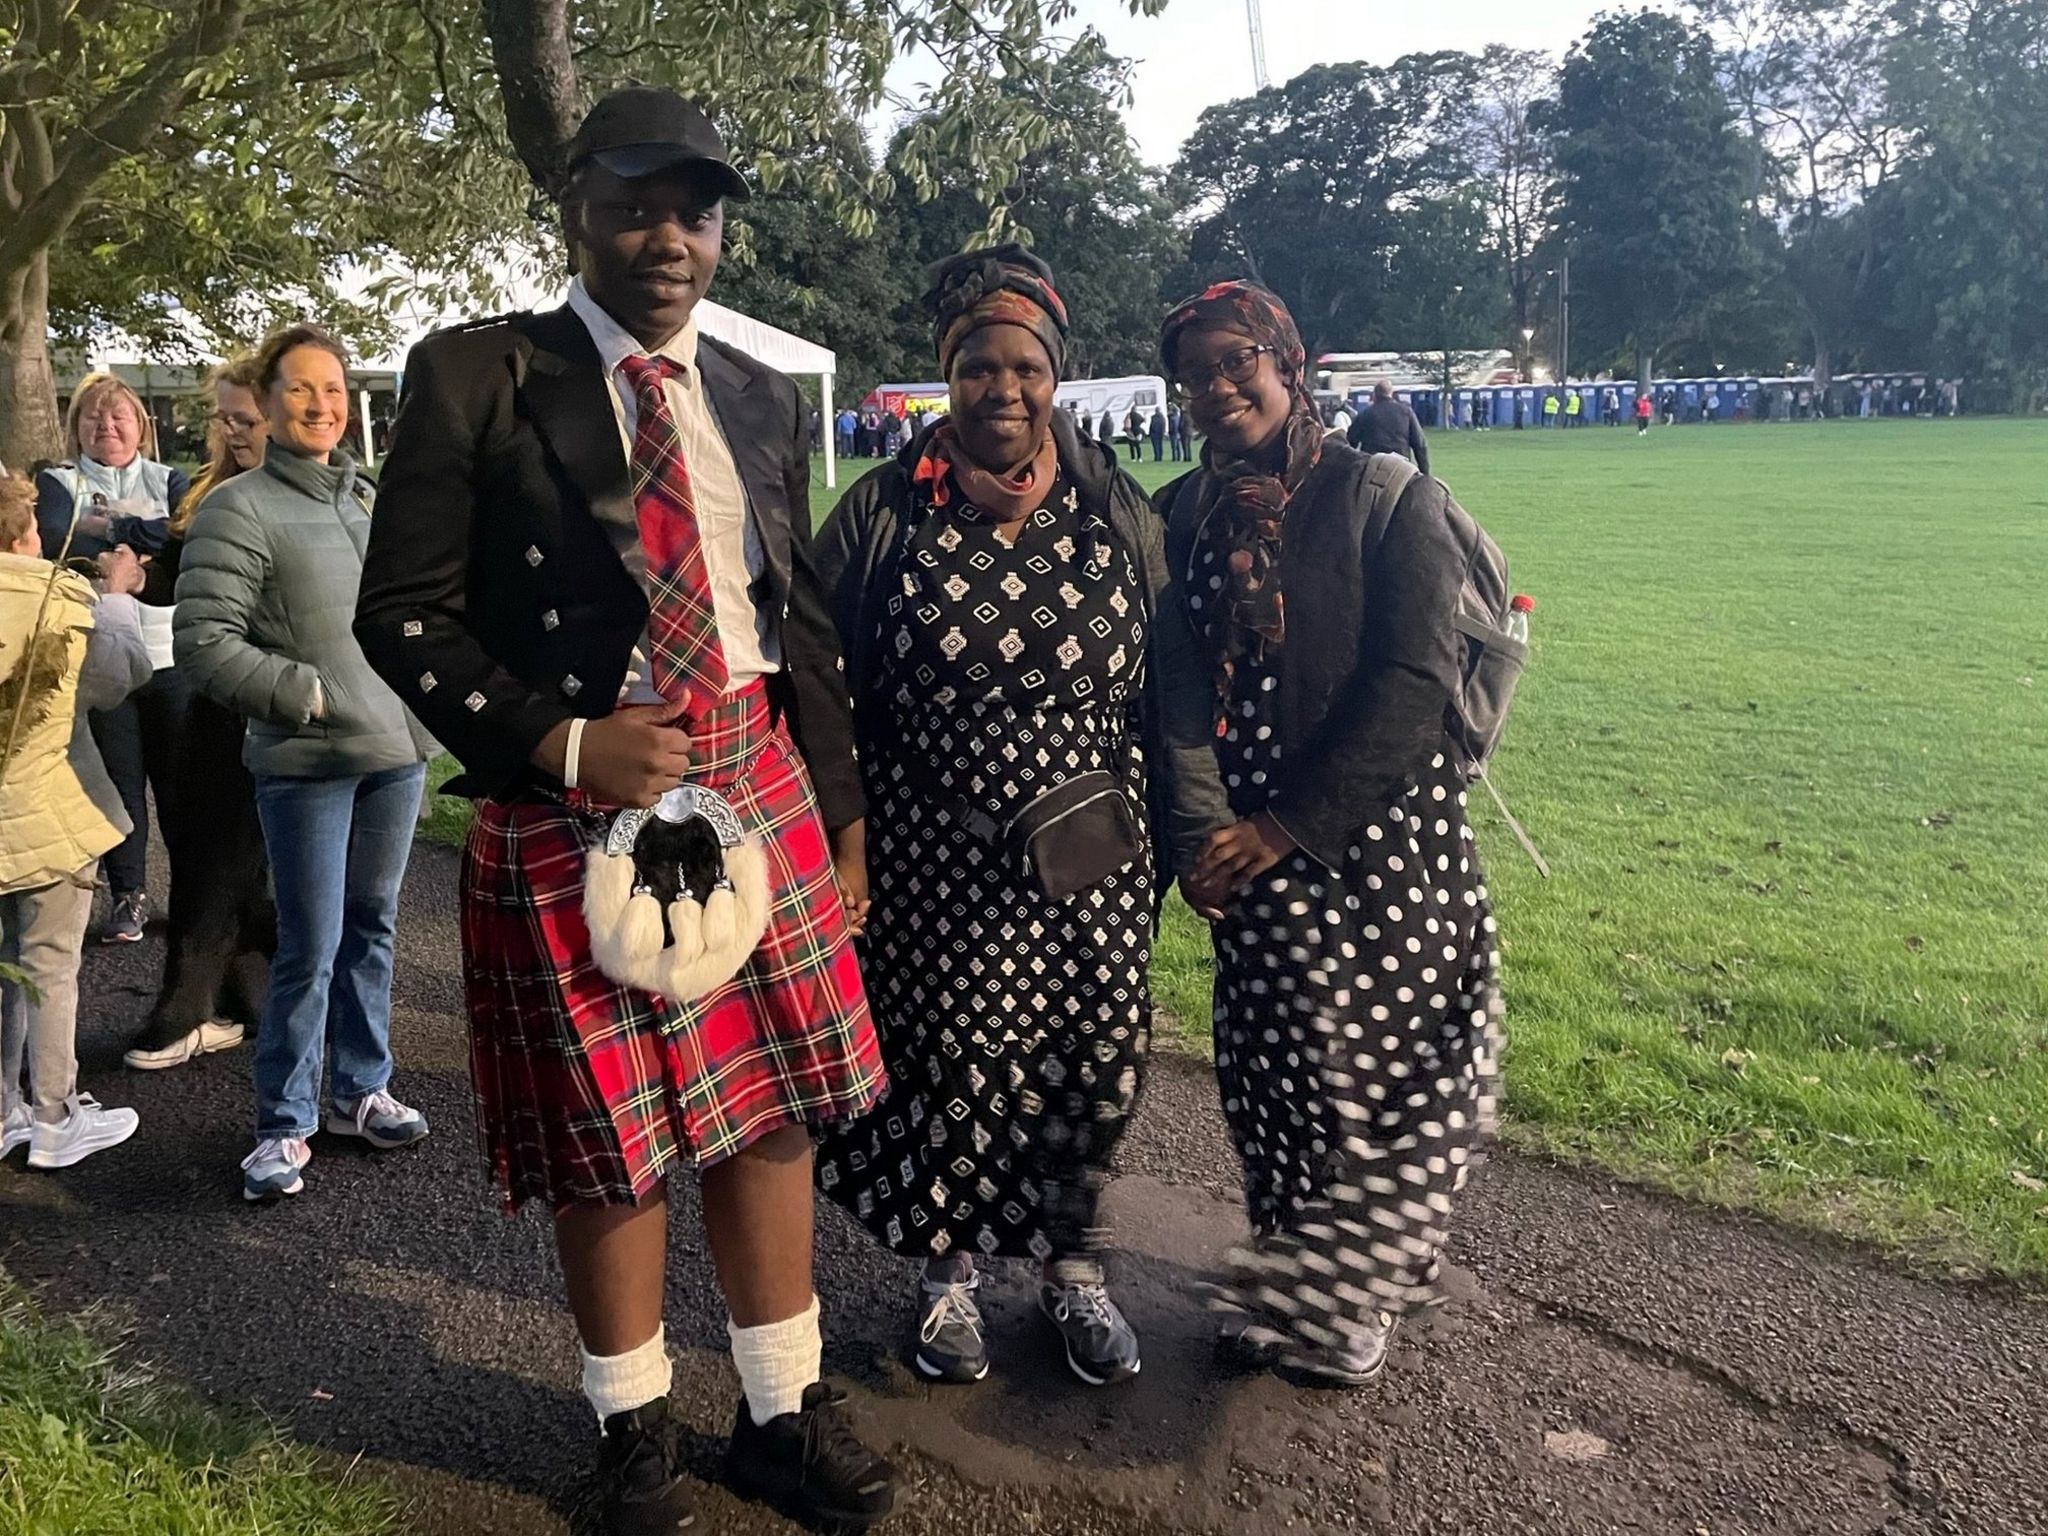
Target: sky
(1198,52)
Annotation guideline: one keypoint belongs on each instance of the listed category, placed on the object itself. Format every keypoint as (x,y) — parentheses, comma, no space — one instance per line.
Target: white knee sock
(777,1361)
(620,1383)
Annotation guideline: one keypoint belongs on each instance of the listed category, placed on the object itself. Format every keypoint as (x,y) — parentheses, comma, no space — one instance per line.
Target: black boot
(810,1464)
(639,1472)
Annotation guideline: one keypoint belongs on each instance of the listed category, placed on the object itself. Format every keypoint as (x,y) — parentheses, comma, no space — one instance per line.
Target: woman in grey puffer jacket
(266,597)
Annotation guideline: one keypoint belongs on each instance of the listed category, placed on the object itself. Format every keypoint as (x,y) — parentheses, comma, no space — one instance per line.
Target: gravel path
(1613,1361)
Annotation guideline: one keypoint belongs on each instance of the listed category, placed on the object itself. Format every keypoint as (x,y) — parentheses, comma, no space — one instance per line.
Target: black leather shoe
(639,1473)
(811,1465)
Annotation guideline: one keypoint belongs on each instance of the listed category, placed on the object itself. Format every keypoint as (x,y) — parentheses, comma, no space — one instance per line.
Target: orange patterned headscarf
(1005,285)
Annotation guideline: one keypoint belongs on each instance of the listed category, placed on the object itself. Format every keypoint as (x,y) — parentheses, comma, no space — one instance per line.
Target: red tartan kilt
(588,1091)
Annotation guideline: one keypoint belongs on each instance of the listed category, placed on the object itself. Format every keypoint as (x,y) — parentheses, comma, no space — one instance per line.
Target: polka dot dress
(1014,1027)
(1357,1038)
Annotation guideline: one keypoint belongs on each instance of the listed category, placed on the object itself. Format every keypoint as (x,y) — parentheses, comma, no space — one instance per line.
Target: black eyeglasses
(1237,365)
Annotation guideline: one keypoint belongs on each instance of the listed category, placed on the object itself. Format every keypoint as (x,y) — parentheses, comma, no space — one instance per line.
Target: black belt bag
(1073,836)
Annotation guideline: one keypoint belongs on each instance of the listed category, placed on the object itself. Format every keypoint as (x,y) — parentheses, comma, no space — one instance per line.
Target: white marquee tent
(784,353)
(763,342)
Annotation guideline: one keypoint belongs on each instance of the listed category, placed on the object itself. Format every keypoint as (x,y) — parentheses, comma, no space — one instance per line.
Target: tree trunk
(1823,363)
(29,425)
(536,69)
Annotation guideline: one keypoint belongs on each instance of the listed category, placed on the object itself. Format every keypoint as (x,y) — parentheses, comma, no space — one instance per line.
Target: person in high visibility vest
(1550,410)
(1572,407)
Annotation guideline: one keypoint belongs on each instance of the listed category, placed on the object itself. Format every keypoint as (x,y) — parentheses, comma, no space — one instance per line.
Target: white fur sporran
(709,933)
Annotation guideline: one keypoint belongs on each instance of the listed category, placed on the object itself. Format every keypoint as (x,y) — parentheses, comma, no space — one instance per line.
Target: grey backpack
(1493,659)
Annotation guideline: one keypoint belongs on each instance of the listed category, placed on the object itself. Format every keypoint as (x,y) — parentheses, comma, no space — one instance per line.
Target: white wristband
(572,755)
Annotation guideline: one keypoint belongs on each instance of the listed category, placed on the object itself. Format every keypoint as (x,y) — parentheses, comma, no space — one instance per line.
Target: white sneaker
(273,1168)
(86,1130)
(207,1038)
(379,1119)
(16,1129)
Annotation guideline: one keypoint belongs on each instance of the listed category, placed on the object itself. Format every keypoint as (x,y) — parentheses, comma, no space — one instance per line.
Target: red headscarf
(1244,504)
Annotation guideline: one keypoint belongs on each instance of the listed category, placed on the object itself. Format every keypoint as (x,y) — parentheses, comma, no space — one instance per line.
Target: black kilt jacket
(502,590)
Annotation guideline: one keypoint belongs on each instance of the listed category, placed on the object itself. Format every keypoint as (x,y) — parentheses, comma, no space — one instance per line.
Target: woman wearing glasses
(1355,1002)
(995,588)
(223,925)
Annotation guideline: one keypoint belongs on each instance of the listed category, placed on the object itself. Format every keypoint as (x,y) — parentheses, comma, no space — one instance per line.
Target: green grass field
(1784,739)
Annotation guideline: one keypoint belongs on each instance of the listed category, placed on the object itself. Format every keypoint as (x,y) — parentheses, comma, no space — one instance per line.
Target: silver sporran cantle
(676,896)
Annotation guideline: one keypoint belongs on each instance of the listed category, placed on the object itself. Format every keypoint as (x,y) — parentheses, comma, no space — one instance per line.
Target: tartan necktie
(685,660)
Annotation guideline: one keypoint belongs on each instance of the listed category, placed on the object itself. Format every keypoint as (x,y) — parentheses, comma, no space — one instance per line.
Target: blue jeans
(338,849)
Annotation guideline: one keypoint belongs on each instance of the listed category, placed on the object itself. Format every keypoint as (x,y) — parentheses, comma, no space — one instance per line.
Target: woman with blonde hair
(266,604)
(223,924)
(114,494)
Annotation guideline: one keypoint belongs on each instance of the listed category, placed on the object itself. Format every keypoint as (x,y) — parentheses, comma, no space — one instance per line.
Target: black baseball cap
(644,129)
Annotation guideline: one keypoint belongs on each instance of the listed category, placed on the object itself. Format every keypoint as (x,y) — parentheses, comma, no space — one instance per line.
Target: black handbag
(1067,839)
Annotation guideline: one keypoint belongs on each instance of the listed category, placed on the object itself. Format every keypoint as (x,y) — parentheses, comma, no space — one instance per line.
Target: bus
(1348,374)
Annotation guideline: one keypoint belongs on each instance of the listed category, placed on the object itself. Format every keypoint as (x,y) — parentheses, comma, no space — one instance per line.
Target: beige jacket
(88,655)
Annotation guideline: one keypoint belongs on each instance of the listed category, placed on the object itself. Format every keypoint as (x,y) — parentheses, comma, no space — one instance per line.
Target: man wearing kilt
(590,576)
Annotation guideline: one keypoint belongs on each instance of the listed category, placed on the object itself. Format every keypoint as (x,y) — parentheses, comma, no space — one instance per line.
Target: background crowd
(286,777)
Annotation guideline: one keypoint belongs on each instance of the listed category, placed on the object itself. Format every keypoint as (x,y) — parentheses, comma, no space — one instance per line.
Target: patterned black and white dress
(1357,1037)
(1014,1027)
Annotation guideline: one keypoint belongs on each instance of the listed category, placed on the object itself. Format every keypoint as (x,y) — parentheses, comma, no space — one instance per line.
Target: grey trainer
(950,1344)
(1101,1346)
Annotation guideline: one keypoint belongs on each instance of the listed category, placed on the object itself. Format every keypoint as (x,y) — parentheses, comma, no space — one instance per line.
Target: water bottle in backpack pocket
(1492,623)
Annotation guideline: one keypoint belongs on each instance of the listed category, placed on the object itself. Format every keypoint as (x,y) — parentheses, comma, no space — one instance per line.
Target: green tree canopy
(1081,199)
(1969,85)
(815,276)
(1652,177)
(212,166)
(1301,186)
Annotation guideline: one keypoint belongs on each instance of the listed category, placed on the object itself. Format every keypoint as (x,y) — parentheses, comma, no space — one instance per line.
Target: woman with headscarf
(994,589)
(1356,1009)
(223,924)
(114,494)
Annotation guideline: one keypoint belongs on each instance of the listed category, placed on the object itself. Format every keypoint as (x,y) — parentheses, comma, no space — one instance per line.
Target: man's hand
(850,867)
(1239,854)
(631,757)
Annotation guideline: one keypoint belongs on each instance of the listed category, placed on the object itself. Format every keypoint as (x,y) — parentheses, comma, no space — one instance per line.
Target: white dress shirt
(733,553)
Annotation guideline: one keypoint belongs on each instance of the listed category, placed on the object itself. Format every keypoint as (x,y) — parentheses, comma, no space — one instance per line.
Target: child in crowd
(65,651)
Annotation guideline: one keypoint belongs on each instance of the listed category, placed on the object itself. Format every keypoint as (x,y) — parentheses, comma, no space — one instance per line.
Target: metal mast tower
(1258,26)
